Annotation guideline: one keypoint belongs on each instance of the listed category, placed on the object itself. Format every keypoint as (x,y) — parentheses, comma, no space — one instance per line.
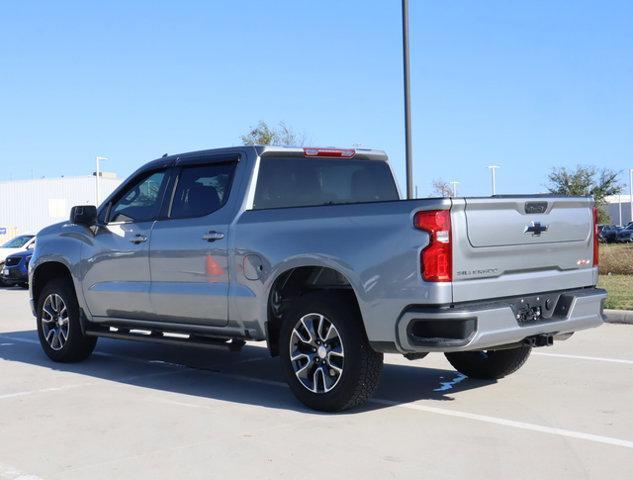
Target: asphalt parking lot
(137,410)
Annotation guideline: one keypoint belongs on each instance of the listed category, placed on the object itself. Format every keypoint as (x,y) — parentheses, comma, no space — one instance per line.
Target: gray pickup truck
(313,251)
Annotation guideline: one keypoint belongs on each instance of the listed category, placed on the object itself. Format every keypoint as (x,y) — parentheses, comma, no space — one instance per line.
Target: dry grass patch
(616,259)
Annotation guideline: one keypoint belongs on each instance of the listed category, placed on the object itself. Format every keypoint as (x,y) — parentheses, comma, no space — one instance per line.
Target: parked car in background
(16,268)
(609,233)
(15,245)
(625,235)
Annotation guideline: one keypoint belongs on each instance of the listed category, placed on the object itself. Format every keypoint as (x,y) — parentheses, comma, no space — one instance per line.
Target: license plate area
(540,308)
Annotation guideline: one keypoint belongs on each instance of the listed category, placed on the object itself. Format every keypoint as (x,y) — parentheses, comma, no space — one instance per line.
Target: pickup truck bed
(313,251)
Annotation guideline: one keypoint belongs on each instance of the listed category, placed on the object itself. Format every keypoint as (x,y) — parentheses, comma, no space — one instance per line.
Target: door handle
(213,236)
(138,238)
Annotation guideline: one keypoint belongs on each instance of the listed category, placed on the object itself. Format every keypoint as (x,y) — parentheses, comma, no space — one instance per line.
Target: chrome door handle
(138,238)
(213,236)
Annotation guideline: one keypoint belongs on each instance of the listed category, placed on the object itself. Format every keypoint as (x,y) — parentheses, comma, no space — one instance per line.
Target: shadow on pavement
(249,377)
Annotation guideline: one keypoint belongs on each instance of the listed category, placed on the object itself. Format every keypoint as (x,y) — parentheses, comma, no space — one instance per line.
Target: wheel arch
(47,271)
(291,283)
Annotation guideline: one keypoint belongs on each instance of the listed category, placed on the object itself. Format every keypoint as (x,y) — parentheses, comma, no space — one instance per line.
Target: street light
(454,183)
(407,101)
(631,191)
(98,175)
(620,207)
(493,177)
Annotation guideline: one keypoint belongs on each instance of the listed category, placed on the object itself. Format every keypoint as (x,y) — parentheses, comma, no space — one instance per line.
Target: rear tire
(325,353)
(489,364)
(58,325)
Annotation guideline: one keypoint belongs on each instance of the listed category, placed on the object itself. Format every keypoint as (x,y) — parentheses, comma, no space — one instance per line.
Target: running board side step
(168,338)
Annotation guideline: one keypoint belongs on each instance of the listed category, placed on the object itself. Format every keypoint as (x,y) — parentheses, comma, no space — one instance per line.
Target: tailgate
(507,246)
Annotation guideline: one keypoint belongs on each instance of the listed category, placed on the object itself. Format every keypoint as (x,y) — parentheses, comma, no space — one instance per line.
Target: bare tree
(264,134)
(441,188)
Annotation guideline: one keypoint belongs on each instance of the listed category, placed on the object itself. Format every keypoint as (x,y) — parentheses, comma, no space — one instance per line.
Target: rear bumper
(479,326)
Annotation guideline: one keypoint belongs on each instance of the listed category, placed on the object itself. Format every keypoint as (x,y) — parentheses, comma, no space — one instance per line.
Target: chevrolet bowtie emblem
(535,228)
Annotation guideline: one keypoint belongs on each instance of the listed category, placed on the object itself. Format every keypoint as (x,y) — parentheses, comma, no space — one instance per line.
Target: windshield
(298,182)
(17,242)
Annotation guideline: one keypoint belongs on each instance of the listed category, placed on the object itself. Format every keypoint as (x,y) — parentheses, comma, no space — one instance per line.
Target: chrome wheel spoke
(316,353)
(48,311)
(50,335)
(333,366)
(55,303)
(300,356)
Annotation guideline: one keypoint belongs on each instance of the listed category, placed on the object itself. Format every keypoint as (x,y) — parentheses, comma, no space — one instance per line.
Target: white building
(619,209)
(27,206)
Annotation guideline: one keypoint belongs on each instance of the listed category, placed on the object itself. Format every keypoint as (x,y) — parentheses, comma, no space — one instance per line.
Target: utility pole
(493,177)
(620,208)
(407,99)
(631,191)
(454,183)
(98,175)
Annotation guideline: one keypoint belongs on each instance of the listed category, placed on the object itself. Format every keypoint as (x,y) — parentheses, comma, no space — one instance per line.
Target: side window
(201,190)
(141,201)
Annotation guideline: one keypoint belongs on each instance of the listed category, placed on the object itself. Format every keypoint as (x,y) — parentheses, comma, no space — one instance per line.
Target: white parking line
(89,384)
(508,423)
(411,406)
(582,357)
(467,415)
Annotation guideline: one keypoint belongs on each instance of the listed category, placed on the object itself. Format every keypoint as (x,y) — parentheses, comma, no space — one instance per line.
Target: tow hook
(543,340)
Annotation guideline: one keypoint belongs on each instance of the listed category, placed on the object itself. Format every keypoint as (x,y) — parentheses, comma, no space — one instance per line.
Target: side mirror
(84,215)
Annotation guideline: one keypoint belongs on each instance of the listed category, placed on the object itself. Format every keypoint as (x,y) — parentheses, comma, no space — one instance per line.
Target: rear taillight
(437,258)
(596,248)
(329,152)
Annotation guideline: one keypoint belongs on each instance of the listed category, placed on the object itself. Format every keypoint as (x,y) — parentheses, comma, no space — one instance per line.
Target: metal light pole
(493,177)
(620,208)
(631,191)
(454,184)
(98,175)
(407,99)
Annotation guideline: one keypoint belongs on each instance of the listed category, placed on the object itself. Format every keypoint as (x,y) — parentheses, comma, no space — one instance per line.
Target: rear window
(300,182)
(202,190)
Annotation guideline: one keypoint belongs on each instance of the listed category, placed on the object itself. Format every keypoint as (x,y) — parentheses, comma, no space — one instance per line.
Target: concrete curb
(619,316)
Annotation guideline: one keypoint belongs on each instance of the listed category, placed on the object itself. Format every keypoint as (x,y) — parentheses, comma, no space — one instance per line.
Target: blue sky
(527,85)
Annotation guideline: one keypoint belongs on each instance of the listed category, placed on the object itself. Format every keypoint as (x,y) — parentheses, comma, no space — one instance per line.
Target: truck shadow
(249,377)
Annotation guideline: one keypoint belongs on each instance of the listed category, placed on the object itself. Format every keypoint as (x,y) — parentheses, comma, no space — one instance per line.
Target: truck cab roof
(268,151)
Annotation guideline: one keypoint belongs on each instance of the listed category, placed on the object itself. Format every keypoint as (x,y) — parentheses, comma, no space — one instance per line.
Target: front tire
(489,364)
(325,353)
(58,325)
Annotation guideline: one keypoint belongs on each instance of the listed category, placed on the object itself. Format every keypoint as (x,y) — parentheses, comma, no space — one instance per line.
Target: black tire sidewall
(491,365)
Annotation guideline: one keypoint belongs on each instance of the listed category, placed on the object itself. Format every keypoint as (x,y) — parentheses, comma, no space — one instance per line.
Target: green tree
(586,181)
(264,134)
